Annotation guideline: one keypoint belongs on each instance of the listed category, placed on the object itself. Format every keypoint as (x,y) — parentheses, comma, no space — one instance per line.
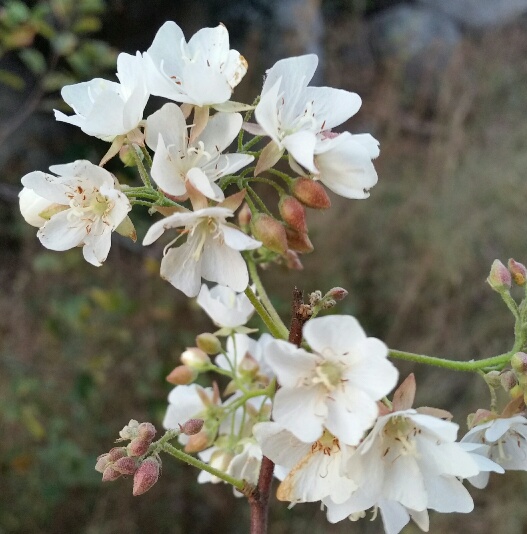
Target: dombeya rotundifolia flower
(200,163)
(212,249)
(84,207)
(293,114)
(336,386)
(202,72)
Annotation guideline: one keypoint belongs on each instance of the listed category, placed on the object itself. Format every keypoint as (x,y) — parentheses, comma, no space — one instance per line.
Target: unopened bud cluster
(501,277)
(130,460)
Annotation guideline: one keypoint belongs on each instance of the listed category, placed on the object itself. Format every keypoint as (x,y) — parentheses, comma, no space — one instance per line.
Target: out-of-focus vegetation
(83,350)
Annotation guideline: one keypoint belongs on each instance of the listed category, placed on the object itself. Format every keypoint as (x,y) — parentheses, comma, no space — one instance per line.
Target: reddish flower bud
(147,431)
(311,193)
(116,453)
(508,380)
(195,358)
(298,241)
(126,465)
(270,232)
(244,216)
(110,474)
(518,271)
(198,442)
(182,375)
(138,447)
(337,293)
(146,476)
(293,213)
(191,427)
(500,277)
(292,261)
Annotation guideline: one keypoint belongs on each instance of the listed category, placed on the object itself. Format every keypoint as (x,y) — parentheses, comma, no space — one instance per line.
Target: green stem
(180,455)
(259,201)
(136,151)
(280,190)
(285,177)
(511,304)
(141,203)
(147,156)
(473,365)
(255,277)
(273,328)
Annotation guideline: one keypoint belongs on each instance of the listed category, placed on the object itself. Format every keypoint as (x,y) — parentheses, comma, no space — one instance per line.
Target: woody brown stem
(259,497)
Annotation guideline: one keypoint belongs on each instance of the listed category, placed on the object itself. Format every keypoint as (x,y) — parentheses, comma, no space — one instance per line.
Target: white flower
(211,250)
(503,440)
(107,109)
(201,163)
(310,471)
(84,207)
(245,356)
(224,306)
(344,164)
(336,386)
(293,114)
(202,72)
(409,463)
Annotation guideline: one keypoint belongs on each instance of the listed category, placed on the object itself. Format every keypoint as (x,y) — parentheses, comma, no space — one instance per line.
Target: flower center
(329,374)
(399,433)
(88,206)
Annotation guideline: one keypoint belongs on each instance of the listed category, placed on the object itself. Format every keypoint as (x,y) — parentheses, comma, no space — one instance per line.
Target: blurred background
(83,350)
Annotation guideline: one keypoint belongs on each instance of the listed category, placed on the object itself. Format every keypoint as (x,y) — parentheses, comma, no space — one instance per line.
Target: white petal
(60,234)
(295,73)
(220,132)
(180,268)
(288,362)
(238,240)
(202,183)
(97,247)
(46,186)
(394,516)
(168,122)
(339,332)
(447,494)
(31,205)
(333,106)
(301,145)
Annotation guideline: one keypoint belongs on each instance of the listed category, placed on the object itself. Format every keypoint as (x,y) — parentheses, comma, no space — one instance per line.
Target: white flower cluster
(84,204)
(331,438)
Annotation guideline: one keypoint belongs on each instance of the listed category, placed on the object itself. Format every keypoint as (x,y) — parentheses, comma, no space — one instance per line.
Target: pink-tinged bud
(146,431)
(519,362)
(146,476)
(311,193)
(518,272)
(298,242)
(292,260)
(110,474)
(195,358)
(508,380)
(270,232)
(198,442)
(116,453)
(293,213)
(126,466)
(208,343)
(191,427)
(244,217)
(499,278)
(102,462)
(138,447)
(337,293)
(182,375)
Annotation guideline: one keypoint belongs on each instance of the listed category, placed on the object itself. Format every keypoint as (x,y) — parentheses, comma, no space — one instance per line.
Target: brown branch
(259,497)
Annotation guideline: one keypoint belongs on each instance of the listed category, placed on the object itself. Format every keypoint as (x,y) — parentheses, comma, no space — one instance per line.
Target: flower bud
(299,242)
(493,379)
(244,216)
(126,465)
(110,474)
(116,453)
(146,431)
(191,427)
(208,343)
(195,358)
(518,271)
(516,392)
(311,193)
(198,442)
(499,278)
(129,431)
(138,447)
(102,462)
(337,293)
(270,232)
(519,362)
(292,260)
(182,375)
(293,213)
(508,380)
(146,476)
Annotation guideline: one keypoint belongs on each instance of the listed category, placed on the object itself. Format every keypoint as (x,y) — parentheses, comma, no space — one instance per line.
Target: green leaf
(87,25)
(16,12)
(34,60)
(12,80)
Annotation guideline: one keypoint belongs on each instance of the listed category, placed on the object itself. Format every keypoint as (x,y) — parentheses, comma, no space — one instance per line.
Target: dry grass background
(84,350)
